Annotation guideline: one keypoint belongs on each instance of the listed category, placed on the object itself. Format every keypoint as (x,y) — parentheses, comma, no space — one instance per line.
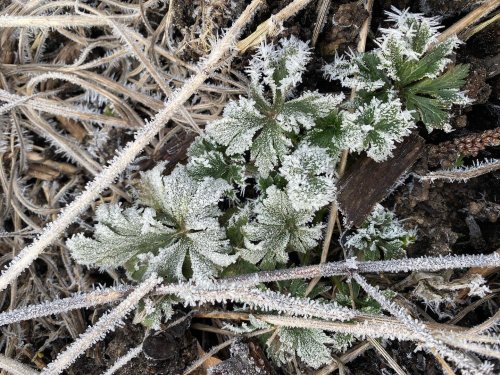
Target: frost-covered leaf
(277,229)
(342,342)
(190,207)
(237,128)
(410,62)
(206,159)
(402,47)
(177,236)
(151,312)
(267,125)
(309,344)
(310,172)
(119,235)
(328,133)
(431,99)
(359,71)
(307,109)
(279,67)
(376,126)
(381,234)
(239,218)
(253,325)
(270,147)
(429,66)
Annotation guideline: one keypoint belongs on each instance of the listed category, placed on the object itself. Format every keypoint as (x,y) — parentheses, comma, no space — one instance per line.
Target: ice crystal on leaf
(119,235)
(357,71)
(277,229)
(206,159)
(253,325)
(280,67)
(177,236)
(191,208)
(409,61)
(151,311)
(309,171)
(376,127)
(309,344)
(381,235)
(265,124)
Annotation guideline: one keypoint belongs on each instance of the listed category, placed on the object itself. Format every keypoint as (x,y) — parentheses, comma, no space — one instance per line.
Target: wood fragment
(367,182)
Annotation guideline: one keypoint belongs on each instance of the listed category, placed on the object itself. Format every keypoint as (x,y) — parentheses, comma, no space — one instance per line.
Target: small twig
(97,332)
(348,357)
(469,33)
(122,361)
(478,13)
(387,356)
(272,25)
(14,367)
(59,21)
(465,173)
(444,365)
(323,6)
(425,336)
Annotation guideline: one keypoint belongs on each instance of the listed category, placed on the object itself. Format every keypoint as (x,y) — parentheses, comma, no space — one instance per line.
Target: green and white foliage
(199,247)
(207,159)
(177,235)
(151,311)
(277,229)
(254,324)
(267,123)
(119,235)
(309,344)
(381,237)
(376,126)
(410,61)
(309,172)
(328,133)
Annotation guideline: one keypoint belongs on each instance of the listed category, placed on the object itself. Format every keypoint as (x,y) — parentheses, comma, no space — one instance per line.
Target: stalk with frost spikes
(122,361)
(463,362)
(244,281)
(98,331)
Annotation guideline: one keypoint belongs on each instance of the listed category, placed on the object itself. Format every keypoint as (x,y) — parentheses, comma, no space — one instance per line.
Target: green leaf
(269,148)
(234,227)
(310,172)
(453,78)
(237,127)
(327,133)
(277,229)
(376,126)
(206,159)
(381,235)
(119,235)
(150,312)
(309,344)
(430,65)
(432,112)
(200,246)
